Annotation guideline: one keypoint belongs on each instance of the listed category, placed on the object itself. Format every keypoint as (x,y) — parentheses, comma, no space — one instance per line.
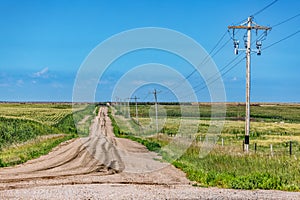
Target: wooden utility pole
(248,25)
(136,109)
(156,109)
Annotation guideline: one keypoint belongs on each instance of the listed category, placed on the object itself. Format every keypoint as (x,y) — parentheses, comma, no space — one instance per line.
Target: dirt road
(102,166)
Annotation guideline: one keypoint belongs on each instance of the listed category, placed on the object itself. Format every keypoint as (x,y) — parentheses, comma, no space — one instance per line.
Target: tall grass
(33,149)
(228,166)
(15,132)
(241,171)
(20,130)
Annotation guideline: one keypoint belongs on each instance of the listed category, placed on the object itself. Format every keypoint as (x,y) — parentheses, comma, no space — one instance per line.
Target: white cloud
(4,84)
(104,82)
(20,82)
(57,85)
(234,79)
(43,73)
(138,82)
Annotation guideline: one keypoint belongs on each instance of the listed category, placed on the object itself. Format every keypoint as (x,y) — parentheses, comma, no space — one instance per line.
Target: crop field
(28,130)
(273,158)
(45,113)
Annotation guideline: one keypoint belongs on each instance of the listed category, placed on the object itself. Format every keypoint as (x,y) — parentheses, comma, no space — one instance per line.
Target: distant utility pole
(248,25)
(136,109)
(124,107)
(127,115)
(155,97)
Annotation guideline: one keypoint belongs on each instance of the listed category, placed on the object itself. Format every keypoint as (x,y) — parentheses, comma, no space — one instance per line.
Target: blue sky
(44,43)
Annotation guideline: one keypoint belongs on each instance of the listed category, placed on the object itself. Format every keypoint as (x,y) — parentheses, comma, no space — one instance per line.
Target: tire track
(95,153)
(99,158)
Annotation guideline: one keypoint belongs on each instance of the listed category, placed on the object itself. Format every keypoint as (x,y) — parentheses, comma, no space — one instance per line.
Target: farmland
(28,130)
(272,162)
(31,130)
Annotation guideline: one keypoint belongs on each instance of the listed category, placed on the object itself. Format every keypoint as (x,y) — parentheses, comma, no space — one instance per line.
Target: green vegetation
(241,171)
(227,165)
(21,130)
(21,153)
(45,113)
(234,111)
(28,130)
(148,143)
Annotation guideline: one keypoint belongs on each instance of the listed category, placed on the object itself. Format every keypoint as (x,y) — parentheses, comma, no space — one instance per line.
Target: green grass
(44,113)
(22,126)
(34,148)
(20,130)
(241,171)
(234,111)
(150,145)
(228,166)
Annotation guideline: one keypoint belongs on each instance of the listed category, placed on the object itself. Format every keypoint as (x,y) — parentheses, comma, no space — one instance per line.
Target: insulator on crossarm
(236,51)
(236,46)
(258,46)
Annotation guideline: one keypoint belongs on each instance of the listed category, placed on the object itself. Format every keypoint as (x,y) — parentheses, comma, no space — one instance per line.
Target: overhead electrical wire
(219,41)
(258,12)
(204,60)
(285,21)
(261,36)
(209,81)
(285,38)
(263,9)
(236,64)
(220,76)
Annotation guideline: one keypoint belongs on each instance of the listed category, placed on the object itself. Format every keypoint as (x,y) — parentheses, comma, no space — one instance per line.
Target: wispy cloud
(4,85)
(234,79)
(20,83)
(57,85)
(138,82)
(43,73)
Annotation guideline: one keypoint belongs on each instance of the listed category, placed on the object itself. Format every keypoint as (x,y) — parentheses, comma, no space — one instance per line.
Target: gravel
(132,191)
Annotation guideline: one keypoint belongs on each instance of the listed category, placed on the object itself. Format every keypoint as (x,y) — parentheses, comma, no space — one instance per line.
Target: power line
(204,60)
(285,38)
(261,10)
(284,21)
(236,64)
(221,75)
(258,12)
(260,38)
(210,80)
(222,37)
(216,78)
(233,60)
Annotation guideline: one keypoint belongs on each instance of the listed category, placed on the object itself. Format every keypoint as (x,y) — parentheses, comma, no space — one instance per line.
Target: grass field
(268,165)
(45,113)
(28,130)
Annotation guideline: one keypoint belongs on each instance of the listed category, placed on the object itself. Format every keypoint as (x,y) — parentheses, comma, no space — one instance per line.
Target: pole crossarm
(256,27)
